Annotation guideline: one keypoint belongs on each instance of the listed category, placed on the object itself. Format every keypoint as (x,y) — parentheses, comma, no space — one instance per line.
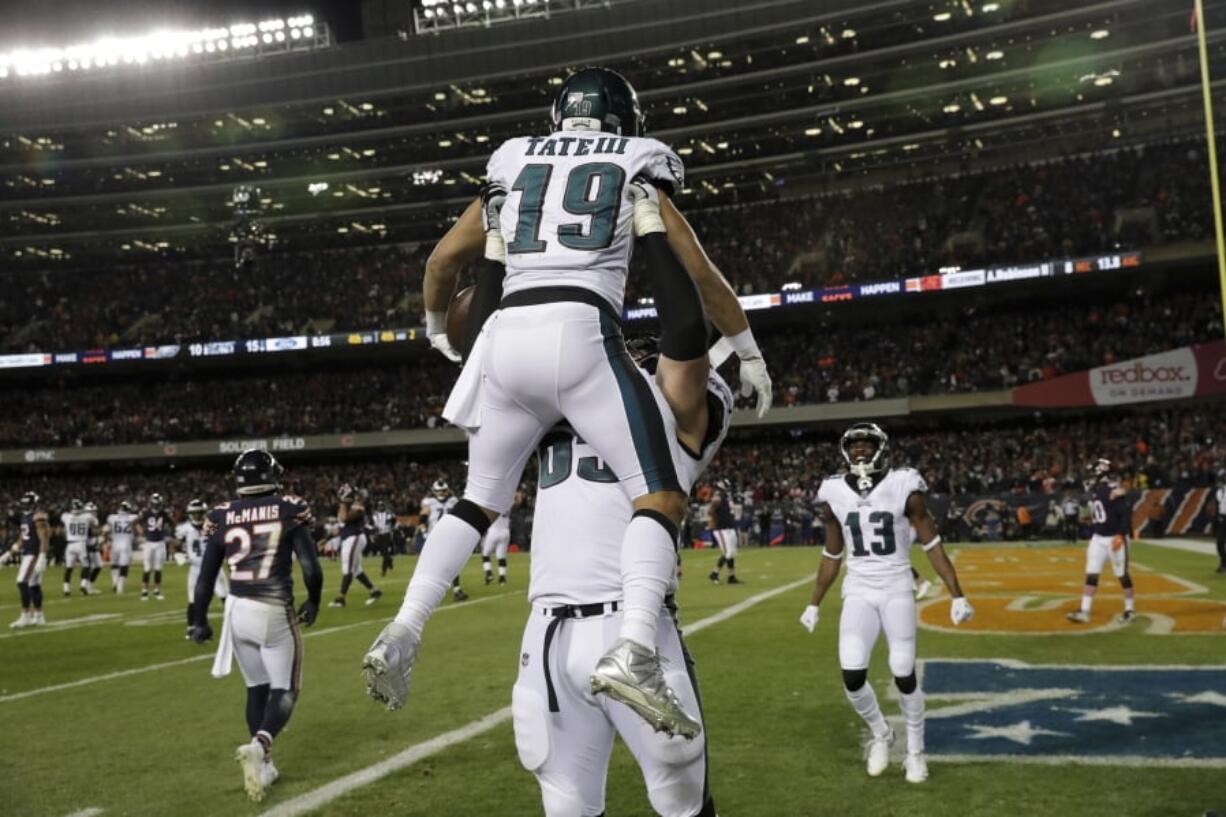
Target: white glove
(808,619)
(755,378)
(436,333)
(492,198)
(646,200)
(961,611)
(40,564)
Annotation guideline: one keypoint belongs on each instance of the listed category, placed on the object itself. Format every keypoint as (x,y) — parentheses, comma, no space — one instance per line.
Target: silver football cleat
(1079,617)
(632,674)
(388,665)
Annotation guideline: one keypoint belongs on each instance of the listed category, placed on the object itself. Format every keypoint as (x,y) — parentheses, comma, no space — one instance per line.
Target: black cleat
(489,577)
(502,579)
(459,595)
(339,601)
(734,580)
(375,595)
(714,577)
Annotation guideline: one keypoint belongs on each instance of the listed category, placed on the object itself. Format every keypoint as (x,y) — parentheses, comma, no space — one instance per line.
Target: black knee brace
(731,564)
(1126,581)
(906,685)
(720,562)
(502,562)
(1092,579)
(853,679)
(471,513)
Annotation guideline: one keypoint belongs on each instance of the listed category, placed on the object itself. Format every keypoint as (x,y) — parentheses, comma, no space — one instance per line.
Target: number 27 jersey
(567,220)
(876,531)
(257,534)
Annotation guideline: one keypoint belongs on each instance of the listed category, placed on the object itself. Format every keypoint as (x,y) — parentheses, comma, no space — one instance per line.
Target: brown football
(457,318)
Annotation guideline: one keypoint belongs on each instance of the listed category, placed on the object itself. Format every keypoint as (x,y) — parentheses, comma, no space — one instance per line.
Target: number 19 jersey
(876,531)
(567,220)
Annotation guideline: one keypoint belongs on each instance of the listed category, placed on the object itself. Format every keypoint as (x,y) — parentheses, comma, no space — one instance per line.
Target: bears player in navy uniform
(351,513)
(154,525)
(722,524)
(1111,515)
(258,534)
(35,539)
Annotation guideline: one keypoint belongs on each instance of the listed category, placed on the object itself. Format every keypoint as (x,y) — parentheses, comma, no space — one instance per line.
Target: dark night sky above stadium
(33,23)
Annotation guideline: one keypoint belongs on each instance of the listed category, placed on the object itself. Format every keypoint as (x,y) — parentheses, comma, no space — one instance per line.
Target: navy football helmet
(597,99)
(257,472)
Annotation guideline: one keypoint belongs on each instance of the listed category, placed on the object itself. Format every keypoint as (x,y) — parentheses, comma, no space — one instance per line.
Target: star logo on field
(1022,733)
(1206,697)
(1115,714)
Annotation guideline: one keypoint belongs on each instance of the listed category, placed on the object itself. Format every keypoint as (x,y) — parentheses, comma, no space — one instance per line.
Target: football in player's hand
(457,318)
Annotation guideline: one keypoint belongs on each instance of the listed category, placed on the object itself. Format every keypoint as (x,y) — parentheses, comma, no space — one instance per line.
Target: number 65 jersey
(876,531)
(257,534)
(567,220)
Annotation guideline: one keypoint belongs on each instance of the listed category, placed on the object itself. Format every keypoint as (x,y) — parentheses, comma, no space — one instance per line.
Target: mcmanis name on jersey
(258,513)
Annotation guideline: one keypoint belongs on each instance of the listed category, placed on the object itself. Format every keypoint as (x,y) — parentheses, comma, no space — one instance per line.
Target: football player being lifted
(1111,526)
(869,512)
(562,210)
(259,534)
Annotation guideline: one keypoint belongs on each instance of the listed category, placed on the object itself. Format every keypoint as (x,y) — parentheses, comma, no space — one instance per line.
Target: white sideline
(208,656)
(92,811)
(325,794)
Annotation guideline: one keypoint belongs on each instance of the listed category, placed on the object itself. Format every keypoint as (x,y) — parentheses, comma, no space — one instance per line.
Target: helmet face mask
(862,466)
(90,507)
(125,506)
(29,500)
(597,99)
(196,510)
(76,505)
(155,501)
(440,488)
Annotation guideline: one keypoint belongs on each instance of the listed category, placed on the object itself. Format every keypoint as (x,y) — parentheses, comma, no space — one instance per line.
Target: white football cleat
(916,767)
(24,620)
(388,665)
(922,589)
(250,757)
(878,754)
(270,773)
(38,618)
(1079,617)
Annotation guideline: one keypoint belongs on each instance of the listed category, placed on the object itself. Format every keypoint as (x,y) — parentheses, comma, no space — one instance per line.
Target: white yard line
(208,656)
(1190,545)
(305,803)
(92,811)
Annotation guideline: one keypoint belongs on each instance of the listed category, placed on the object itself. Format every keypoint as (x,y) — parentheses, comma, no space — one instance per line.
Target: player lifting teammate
(874,509)
(259,534)
(1111,527)
(554,351)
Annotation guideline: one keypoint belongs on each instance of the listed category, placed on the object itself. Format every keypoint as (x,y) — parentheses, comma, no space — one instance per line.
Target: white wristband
(436,323)
(829,555)
(744,345)
(936,540)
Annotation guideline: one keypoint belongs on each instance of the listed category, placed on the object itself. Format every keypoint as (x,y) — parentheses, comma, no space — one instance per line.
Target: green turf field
(157,736)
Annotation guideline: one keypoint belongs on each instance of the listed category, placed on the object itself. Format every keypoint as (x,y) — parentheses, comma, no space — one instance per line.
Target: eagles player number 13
(577,199)
(267,536)
(883,546)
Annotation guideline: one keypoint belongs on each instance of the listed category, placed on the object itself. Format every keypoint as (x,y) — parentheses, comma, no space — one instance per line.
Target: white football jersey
(500,526)
(122,526)
(438,508)
(582,513)
(567,220)
(192,538)
(77,526)
(876,532)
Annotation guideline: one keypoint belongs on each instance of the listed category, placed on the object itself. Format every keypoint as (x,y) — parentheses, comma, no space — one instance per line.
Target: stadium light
(268,36)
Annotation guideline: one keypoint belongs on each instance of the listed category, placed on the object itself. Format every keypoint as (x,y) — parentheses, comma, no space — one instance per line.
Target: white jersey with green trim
(78,526)
(567,220)
(876,531)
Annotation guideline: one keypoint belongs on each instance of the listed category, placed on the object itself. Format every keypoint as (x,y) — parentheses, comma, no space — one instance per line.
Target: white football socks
(912,705)
(864,701)
(446,550)
(648,561)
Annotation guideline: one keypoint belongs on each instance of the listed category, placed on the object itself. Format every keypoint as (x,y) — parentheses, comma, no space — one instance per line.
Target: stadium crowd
(1153,448)
(1020,213)
(940,354)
